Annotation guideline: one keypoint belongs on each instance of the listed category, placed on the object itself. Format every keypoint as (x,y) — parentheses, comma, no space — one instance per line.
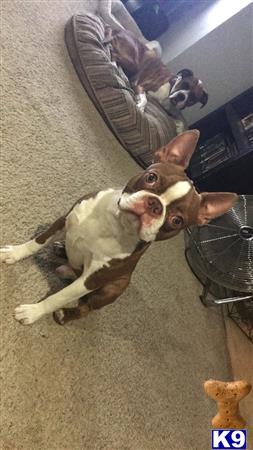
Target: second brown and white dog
(106,233)
(147,73)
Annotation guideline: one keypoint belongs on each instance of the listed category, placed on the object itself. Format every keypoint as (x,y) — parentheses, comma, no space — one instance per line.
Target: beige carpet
(130,376)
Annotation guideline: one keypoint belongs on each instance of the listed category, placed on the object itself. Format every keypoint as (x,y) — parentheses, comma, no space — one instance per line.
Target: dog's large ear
(179,150)
(214,204)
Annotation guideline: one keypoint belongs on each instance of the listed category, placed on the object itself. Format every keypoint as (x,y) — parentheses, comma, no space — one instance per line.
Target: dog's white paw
(141,102)
(59,316)
(27,314)
(10,254)
(141,108)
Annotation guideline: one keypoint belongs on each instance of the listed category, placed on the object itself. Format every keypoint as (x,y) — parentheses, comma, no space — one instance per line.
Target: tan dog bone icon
(227,397)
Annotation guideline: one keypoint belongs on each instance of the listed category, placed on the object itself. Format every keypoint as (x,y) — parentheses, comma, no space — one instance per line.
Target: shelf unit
(223,160)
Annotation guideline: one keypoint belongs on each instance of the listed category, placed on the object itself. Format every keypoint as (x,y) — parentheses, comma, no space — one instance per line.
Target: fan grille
(223,249)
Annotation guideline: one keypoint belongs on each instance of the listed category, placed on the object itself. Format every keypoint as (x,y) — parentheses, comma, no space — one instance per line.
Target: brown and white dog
(106,233)
(147,73)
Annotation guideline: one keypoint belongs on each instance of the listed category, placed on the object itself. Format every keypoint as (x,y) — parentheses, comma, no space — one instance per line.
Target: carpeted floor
(130,376)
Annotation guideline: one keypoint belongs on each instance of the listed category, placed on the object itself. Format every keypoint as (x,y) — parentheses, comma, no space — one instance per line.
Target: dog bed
(109,89)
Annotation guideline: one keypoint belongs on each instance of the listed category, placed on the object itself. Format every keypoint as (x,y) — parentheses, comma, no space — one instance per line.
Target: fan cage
(223,249)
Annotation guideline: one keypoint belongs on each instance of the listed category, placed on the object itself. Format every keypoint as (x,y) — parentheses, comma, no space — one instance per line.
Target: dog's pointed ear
(179,150)
(214,204)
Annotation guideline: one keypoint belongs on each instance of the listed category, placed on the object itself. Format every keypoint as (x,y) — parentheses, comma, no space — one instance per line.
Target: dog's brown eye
(177,221)
(151,178)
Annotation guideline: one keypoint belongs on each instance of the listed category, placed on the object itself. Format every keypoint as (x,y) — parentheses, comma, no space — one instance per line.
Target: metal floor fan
(221,255)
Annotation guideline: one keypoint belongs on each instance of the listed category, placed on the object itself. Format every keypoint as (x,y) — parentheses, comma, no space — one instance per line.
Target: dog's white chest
(162,92)
(95,233)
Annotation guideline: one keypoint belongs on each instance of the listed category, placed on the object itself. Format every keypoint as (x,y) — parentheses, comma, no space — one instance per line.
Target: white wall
(199,21)
(223,60)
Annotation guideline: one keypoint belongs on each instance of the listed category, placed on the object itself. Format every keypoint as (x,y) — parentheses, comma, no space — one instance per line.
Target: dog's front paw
(64,315)
(59,316)
(27,314)
(9,254)
(141,102)
(59,249)
(141,108)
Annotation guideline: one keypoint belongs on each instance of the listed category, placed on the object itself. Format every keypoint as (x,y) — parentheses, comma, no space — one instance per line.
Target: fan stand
(221,301)
(207,299)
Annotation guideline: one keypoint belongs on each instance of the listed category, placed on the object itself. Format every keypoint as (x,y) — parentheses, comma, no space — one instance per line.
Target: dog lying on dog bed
(140,133)
(147,73)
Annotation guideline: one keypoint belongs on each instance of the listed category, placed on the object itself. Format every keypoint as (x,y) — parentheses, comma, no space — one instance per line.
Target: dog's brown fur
(144,67)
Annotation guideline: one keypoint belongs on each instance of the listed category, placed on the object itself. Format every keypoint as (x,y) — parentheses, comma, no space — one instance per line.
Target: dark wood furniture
(223,160)
(149,15)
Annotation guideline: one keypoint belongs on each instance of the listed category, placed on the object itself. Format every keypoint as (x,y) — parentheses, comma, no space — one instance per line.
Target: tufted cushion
(108,87)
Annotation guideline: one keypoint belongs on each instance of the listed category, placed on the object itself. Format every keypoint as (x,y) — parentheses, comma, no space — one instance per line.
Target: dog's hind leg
(65,272)
(59,249)
(12,253)
(94,300)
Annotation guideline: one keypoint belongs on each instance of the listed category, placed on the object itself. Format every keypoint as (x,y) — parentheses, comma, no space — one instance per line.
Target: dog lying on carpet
(107,232)
(147,73)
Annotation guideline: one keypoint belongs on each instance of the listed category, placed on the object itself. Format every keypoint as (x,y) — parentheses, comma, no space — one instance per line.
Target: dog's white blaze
(178,80)
(178,190)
